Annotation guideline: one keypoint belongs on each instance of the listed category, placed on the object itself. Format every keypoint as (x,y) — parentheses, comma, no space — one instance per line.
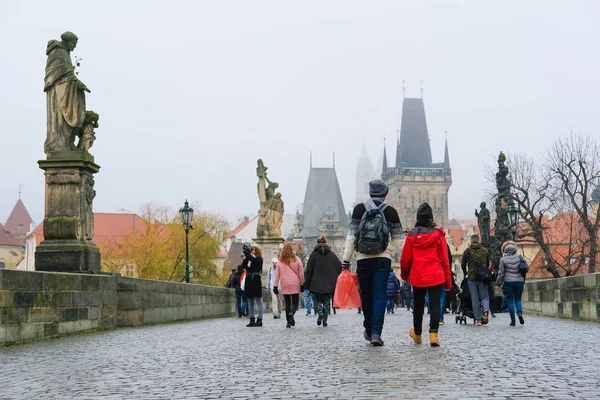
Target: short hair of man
(475,238)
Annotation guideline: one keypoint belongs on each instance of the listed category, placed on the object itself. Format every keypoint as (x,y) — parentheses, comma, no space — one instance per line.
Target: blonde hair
(257,252)
(288,254)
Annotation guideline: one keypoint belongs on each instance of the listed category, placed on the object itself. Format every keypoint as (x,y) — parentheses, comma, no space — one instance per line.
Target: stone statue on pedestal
(270,213)
(483,221)
(69,168)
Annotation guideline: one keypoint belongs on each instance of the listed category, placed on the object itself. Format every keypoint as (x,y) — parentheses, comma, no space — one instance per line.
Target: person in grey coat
(321,275)
(511,280)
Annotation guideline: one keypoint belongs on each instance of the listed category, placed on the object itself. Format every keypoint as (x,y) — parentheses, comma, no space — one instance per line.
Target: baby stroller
(465,307)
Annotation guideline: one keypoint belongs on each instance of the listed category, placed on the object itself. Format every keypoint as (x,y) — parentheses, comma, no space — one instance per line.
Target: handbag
(523,266)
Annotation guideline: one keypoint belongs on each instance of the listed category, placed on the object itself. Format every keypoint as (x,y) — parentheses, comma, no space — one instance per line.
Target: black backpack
(482,274)
(373,234)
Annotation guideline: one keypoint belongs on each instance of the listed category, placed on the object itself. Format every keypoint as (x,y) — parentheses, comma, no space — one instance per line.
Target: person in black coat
(253,264)
(321,275)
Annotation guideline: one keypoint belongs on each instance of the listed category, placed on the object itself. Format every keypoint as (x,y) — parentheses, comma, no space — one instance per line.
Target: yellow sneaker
(416,338)
(433,340)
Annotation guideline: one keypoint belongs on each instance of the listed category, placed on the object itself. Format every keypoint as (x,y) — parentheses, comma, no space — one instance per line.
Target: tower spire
(403,90)
(20,190)
(311,160)
(446,153)
(421,89)
(334,160)
(385,164)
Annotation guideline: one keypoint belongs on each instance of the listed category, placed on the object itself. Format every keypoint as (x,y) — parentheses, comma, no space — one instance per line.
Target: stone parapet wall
(145,302)
(571,297)
(37,305)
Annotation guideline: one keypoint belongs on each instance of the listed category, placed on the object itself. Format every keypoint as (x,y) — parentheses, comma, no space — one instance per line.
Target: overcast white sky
(191,93)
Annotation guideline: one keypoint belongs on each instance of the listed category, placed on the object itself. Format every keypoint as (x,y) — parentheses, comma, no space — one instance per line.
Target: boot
(240,314)
(434,341)
(258,322)
(416,338)
(252,323)
(292,320)
(325,321)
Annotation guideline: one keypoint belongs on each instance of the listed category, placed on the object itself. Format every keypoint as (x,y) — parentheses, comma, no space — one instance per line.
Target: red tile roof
(19,220)
(239,228)
(565,237)
(457,235)
(8,240)
(562,254)
(107,226)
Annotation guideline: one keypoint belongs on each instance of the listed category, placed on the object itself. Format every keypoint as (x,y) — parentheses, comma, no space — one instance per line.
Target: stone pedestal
(69,219)
(270,249)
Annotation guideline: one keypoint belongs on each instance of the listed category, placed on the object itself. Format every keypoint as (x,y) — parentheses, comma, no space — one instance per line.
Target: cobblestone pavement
(545,358)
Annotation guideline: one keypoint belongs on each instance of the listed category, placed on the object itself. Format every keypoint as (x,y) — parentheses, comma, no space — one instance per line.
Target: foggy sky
(191,93)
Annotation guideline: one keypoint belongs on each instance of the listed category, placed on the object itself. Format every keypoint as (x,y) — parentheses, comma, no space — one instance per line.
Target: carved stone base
(270,249)
(69,220)
(67,256)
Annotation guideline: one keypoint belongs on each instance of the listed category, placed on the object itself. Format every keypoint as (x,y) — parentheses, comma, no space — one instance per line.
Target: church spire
(413,149)
(385,163)
(446,154)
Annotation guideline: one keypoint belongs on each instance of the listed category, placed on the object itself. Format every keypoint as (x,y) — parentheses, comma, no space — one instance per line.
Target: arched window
(2,265)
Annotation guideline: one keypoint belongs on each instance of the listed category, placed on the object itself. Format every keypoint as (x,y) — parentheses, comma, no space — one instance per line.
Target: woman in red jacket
(425,265)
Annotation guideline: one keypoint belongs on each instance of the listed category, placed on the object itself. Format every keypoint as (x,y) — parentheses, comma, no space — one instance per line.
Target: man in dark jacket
(478,255)
(320,277)
(373,269)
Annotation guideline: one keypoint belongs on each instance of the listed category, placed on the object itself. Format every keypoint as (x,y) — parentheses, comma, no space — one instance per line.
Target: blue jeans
(389,303)
(308,300)
(513,292)
(240,302)
(373,275)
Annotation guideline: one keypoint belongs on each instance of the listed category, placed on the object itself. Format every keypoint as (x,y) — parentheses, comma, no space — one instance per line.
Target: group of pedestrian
(375,232)
(510,279)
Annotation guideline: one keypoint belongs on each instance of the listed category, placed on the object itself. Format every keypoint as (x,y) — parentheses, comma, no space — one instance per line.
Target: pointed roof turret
(322,193)
(446,154)
(413,146)
(19,221)
(384,167)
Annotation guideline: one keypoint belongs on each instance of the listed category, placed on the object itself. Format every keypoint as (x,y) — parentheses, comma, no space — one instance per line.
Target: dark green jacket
(475,254)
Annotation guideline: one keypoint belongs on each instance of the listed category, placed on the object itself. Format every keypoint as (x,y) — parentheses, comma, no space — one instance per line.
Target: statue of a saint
(270,213)
(65,97)
(483,221)
(502,181)
(275,215)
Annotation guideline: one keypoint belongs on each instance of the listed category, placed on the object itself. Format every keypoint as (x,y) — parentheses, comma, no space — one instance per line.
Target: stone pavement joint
(222,359)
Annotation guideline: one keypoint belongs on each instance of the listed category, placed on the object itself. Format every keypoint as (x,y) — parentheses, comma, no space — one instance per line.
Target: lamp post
(186,219)
(513,214)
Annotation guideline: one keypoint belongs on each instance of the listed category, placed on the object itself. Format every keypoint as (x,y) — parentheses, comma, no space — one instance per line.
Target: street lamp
(513,214)
(187,213)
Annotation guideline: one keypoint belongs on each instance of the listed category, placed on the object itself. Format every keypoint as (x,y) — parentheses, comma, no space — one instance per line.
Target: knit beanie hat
(424,215)
(321,239)
(274,261)
(378,188)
